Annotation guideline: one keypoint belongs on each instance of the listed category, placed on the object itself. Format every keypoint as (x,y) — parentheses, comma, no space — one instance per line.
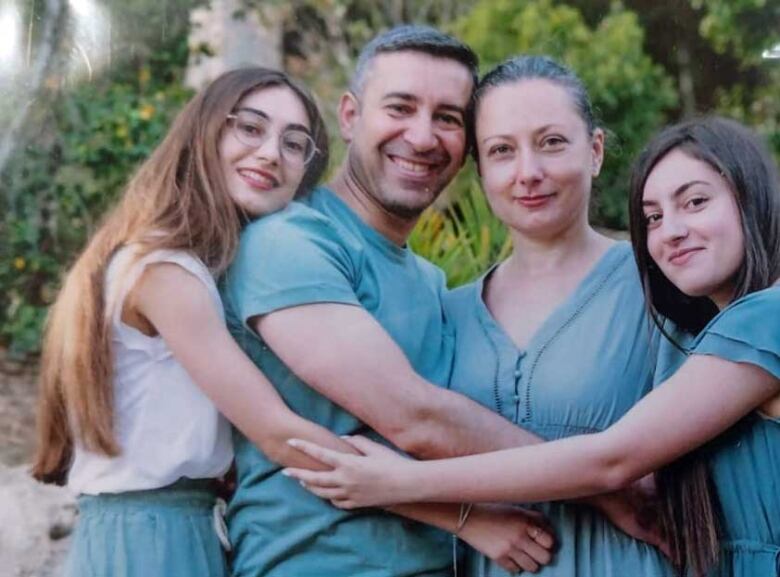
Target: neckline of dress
(600,270)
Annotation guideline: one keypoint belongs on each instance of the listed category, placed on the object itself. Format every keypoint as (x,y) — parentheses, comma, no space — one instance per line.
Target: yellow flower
(20,263)
(146,112)
(121,131)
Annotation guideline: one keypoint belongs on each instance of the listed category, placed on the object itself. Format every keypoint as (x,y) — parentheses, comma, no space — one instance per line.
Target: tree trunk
(224,37)
(53,21)
(685,79)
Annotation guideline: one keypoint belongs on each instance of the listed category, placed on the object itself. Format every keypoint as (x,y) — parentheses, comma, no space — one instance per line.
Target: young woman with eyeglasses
(137,362)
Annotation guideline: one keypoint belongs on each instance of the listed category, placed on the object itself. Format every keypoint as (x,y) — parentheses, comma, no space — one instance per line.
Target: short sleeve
(748,331)
(673,347)
(123,272)
(290,258)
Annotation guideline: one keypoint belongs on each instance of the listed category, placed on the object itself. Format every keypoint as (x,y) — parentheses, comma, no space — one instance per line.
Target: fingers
(320,479)
(323,485)
(517,561)
(368,447)
(539,554)
(541,536)
(315,451)
(529,551)
(508,564)
(524,561)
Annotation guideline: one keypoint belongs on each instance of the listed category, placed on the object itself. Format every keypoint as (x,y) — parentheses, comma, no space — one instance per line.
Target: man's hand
(634,511)
(517,539)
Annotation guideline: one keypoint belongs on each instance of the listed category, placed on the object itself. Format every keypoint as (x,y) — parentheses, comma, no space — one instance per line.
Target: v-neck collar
(596,277)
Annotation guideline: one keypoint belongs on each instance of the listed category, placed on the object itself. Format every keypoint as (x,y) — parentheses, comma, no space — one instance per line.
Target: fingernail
(302,484)
(293,443)
(346,436)
(286,473)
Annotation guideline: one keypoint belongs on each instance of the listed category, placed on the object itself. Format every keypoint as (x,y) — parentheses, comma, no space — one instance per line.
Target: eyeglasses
(253,130)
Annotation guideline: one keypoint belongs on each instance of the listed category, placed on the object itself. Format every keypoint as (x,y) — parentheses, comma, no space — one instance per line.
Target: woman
(137,360)
(705,219)
(555,338)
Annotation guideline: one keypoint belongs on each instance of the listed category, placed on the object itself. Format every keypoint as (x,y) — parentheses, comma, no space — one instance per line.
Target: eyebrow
(547,127)
(401,95)
(678,191)
(536,131)
(255,110)
(290,126)
(407,97)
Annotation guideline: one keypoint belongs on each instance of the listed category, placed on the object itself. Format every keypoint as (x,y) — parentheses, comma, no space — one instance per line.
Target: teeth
(411,166)
(257,178)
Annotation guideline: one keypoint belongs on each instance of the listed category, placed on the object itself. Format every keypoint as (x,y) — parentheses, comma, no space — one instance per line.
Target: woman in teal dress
(556,338)
(705,220)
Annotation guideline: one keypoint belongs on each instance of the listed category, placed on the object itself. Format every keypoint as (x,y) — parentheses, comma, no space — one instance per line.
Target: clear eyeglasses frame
(252,129)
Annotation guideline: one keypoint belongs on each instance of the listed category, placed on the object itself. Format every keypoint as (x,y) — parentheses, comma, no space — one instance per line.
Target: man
(350,325)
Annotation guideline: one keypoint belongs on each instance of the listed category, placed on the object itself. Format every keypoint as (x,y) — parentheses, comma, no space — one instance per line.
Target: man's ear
(349,111)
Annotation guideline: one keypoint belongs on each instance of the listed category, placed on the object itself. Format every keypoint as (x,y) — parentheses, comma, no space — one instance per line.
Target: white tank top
(164,424)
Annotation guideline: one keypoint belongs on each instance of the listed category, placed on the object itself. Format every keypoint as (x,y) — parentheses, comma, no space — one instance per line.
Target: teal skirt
(168,532)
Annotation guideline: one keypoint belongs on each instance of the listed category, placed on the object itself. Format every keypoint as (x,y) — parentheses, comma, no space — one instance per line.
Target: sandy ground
(35,519)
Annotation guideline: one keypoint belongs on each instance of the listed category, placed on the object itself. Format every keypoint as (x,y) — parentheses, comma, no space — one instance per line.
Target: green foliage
(758,107)
(465,238)
(744,27)
(631,95)
(61,185)
(82,144)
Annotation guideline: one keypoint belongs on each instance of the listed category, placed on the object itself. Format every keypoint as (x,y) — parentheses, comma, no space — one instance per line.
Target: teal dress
(745,460)
(586,366)
(322,252)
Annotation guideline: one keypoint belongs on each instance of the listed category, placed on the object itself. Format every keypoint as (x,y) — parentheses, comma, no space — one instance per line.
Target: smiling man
(347,323)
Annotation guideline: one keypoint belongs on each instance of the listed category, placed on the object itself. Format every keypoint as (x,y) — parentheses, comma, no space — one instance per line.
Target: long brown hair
(178,199)
(690,513)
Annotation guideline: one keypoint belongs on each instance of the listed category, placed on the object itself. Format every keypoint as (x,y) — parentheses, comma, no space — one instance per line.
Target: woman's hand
(517,539)
(371,479)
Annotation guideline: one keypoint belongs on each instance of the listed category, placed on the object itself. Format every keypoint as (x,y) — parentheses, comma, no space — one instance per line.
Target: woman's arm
(179,308)
(702,399)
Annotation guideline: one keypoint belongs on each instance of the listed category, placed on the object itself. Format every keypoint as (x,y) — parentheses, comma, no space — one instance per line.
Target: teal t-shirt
(322,252)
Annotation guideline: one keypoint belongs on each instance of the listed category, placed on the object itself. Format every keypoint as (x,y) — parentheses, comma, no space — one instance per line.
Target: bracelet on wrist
(465,511)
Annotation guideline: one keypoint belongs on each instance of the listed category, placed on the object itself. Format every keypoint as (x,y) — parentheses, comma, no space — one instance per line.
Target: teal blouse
(745,460)
(586,366)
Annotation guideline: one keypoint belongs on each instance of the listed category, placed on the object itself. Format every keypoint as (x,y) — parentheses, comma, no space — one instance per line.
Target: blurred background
(88,87)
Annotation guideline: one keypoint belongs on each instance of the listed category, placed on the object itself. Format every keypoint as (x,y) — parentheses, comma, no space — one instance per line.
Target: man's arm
(342,352)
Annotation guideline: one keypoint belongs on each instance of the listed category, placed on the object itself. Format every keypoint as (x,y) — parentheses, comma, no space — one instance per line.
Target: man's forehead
(420,76)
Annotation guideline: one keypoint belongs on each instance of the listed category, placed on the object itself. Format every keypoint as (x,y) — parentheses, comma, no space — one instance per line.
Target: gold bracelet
(465,511)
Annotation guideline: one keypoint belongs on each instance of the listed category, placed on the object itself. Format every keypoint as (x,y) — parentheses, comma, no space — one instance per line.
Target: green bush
(60,185)
(465,238)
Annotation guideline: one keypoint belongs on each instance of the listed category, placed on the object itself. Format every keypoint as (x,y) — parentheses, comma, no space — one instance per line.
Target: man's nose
(421,134)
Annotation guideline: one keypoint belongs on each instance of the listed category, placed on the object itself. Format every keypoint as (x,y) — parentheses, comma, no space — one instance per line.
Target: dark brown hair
(690,514)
